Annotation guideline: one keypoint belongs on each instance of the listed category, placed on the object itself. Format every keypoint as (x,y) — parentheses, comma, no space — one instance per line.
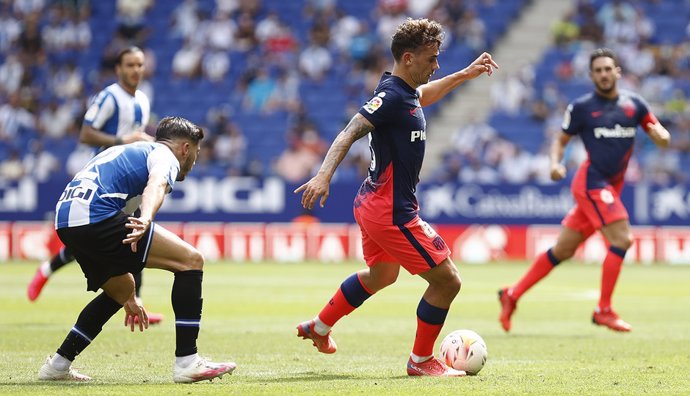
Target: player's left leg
(351,294)
(170,252)
(619,236)
(444,284)
(116,291)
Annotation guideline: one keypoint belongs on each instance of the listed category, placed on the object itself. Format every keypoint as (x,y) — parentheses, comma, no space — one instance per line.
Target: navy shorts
(100,252)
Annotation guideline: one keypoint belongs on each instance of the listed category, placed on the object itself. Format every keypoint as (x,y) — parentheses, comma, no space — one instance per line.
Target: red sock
(539,269)
(430,320)
(350,295)
(609,275)
(425,338)
(336,308)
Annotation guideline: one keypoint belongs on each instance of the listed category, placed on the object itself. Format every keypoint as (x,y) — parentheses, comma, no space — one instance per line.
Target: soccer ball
(464,350)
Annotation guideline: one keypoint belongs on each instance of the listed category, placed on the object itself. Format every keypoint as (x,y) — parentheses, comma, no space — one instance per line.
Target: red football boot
(508,306)
(325,344)
(433,367)
(607,317)
(39,280)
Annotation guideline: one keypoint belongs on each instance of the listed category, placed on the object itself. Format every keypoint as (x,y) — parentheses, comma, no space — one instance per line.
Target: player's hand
(135,314)
(313,189)
(138,227)
(558,172)
(136,137)
(483,64)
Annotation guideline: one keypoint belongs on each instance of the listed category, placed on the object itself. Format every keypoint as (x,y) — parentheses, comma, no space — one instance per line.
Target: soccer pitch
(250,313)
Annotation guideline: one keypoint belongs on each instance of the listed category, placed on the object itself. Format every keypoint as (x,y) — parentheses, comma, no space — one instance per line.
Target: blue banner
(247,199)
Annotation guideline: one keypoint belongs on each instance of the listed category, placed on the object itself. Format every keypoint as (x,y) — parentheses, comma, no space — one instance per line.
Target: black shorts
(100,252)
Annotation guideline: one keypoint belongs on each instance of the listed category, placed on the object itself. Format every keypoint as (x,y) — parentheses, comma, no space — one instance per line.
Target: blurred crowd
(46,81)
(659,70)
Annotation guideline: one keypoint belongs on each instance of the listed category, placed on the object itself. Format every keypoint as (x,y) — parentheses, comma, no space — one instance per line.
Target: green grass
(250,311)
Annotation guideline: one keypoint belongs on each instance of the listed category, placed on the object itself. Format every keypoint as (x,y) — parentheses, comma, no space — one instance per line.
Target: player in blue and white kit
(110,246)
(393,234)
(116,116)
(607,121)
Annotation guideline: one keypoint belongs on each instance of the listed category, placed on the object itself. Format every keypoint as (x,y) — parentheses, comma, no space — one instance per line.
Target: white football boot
(49,373)
(201,369)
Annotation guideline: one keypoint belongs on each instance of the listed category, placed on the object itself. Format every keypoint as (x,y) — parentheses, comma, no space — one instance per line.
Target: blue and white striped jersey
(113,181)
(118,113)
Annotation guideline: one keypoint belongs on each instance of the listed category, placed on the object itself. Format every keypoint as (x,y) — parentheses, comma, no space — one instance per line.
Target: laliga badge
(373,105)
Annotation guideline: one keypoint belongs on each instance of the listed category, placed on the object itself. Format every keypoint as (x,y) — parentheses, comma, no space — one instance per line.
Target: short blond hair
(414,34)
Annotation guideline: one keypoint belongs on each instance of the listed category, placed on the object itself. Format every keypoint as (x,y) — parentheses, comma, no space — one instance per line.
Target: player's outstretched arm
(558,170)
(434,91)
(659,135)
(318,186)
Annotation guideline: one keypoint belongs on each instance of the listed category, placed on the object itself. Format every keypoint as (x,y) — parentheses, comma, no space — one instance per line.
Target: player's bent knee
(196,260)
(120,288)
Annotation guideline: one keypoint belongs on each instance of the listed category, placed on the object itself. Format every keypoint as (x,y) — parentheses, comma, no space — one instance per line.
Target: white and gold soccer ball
(464,350)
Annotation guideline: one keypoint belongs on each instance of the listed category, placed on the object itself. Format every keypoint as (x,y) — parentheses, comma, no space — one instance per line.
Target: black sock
(137,284)
(63,257)
(187,302)
(88,326)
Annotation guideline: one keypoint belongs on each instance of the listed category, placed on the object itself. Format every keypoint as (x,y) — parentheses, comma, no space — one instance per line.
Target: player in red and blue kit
(385,208)
(606,121)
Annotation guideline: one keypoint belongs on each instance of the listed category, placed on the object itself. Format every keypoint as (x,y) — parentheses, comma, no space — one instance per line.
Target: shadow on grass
(310,376)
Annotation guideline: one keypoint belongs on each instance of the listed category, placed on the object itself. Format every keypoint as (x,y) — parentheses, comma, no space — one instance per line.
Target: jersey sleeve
(380,109)
(572,119)
(162,161)
(102,108)
(645,115)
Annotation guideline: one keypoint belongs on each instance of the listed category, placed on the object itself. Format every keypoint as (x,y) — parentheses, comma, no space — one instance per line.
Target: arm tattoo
(357,128)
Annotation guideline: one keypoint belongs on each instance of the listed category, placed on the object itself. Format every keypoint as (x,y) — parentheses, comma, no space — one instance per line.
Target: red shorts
(594,208)
(415,246)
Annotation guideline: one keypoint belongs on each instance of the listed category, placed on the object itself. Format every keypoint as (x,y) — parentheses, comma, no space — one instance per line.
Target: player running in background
(607,121)
(117,116)
(385,207)
(110,246)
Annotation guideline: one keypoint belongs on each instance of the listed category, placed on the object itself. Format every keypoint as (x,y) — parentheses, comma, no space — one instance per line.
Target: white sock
(321,328)
(420,359)
(185,361)
(45,269)
(60,363)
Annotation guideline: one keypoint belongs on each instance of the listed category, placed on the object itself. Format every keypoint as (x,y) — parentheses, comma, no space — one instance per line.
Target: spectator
(230,146)
(11,75)
(11,169)
(13,117)
(10,28)
(259,92)
(39,163)
(186,62)
(55,119)
(315,61)
(215,65)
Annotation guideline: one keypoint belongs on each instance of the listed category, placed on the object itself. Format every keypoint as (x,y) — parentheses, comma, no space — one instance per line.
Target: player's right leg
(444,284)
(170,252)
(619,236)
(45,270)
(568,241)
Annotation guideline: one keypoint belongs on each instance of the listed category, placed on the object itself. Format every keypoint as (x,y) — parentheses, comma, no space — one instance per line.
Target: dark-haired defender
(386,208)
(117,116)
(607,121)
(110,246)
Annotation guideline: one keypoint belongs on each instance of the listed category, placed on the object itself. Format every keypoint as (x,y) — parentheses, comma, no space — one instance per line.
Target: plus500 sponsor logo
(230,195)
